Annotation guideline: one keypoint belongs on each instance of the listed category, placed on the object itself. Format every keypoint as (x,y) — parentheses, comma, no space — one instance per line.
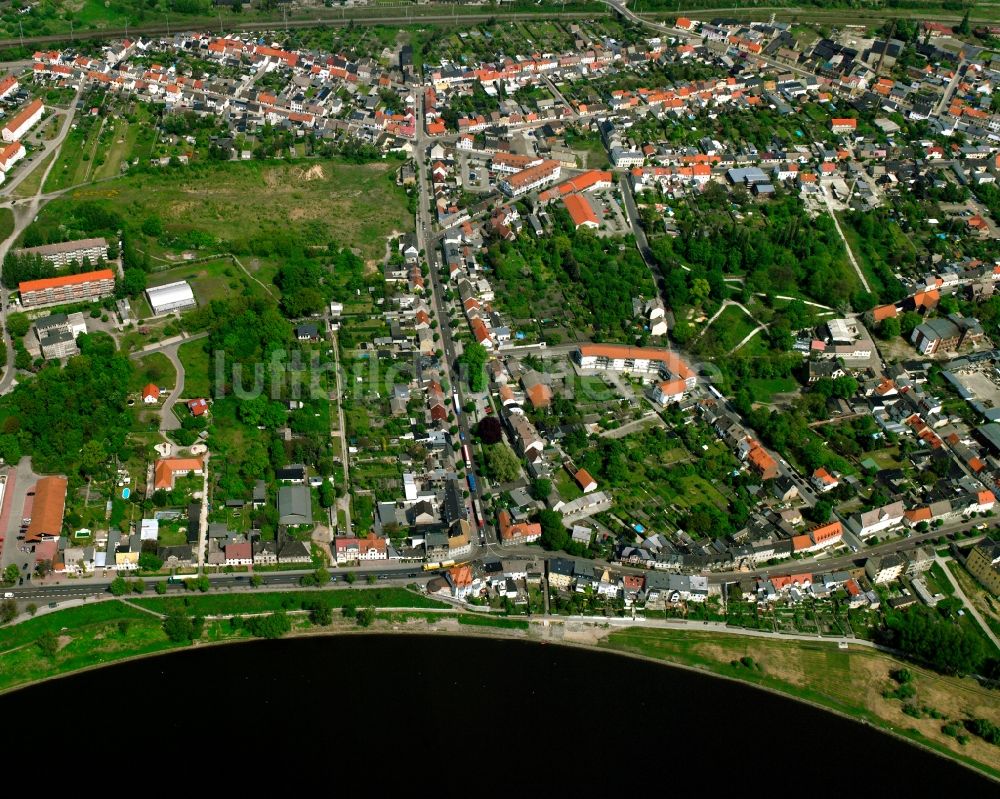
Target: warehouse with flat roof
(170,297)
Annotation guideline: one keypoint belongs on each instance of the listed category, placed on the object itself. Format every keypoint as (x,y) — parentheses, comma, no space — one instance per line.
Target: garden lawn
(196,362)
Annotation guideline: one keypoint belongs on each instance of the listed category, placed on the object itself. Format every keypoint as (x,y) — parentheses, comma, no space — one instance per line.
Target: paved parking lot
(469,166)
(982,386)
(17,506)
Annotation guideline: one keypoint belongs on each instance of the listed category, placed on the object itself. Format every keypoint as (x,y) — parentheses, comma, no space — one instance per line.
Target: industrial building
(170,297)
(57,334)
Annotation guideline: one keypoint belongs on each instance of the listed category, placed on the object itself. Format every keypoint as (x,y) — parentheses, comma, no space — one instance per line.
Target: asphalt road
(427,241)
(24,213)
(65,589)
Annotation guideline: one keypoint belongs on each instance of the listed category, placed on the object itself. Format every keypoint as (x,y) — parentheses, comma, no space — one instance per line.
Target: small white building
(149,530)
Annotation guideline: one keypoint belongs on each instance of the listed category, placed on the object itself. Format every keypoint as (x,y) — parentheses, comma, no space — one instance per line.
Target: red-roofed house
(151,394)
(166,470)
(239,554)
(521,533)
(585,481)
(884,312)
(581,212)
(985,500)
(758,458)
(823,480)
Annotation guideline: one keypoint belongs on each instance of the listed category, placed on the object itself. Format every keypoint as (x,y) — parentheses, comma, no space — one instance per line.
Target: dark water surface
(487,710)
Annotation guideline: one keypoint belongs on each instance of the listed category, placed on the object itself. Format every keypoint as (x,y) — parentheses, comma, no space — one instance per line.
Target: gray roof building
(294,505)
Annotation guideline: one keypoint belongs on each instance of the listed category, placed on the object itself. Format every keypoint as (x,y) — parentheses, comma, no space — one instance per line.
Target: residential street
(25,212)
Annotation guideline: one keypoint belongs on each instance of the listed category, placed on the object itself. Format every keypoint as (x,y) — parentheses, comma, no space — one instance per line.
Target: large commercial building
(66,251)
(57,334)
(534,177)
(68,288)
(636,360)
(24,121)
(47,510)
(170,297)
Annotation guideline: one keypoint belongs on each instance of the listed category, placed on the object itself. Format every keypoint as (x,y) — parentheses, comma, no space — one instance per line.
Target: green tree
(160,587)
(274,625)
(321,614)
(555,536)
(119,586)
(48,643)
(93,457)
(18,325)
(133,283)
(179,627)
(152,226)
(327,494)
(700,290)
(908,323)
(366,616)
(10,574)
(8,610)
(503,463)
(541,488)
(148,561)
(963,27)
(473,361)
(889,328)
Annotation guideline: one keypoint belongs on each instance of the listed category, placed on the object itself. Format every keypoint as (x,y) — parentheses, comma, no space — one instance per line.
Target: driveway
(169,347)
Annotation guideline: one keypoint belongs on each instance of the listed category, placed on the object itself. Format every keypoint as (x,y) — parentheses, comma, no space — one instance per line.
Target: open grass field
(848,681)
(98,146)
(88,636)
(196,362)
(763,390)
(6,223)
(154,368)
(29,186)
(240,203)
(728,330)
(225,604)
(209,280)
